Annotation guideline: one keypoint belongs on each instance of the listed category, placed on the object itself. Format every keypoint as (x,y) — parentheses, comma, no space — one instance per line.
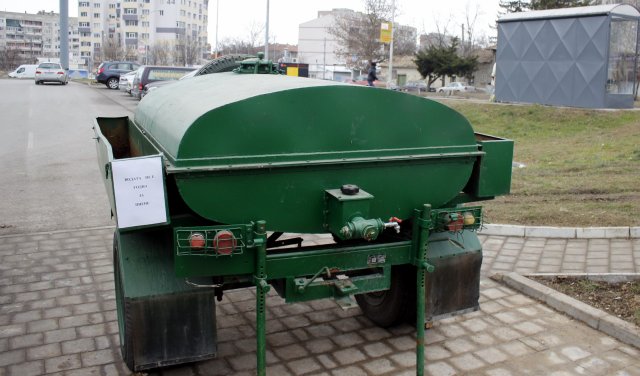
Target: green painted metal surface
(291,138)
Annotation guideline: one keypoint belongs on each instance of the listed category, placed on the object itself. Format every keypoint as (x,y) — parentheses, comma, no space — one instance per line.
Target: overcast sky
(236,17)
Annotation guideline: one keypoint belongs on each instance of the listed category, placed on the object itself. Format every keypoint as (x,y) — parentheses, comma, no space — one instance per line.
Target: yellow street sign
(386,32)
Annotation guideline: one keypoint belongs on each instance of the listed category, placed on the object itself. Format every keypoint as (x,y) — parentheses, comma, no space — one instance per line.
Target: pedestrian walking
(372,74)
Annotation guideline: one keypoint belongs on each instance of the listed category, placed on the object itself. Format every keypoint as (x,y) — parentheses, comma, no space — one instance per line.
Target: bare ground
(619,299)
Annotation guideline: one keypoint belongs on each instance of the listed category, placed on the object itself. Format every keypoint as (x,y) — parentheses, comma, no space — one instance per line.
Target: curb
(561,232)
(593,317)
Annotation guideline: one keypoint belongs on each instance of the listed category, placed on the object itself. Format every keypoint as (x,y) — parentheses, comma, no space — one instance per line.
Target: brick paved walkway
(57,316)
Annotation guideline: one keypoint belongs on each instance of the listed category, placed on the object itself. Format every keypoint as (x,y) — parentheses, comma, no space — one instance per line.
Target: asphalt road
(48,168)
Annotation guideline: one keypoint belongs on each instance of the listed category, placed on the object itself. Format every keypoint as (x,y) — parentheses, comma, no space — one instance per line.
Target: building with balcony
(25,37)
(148,31)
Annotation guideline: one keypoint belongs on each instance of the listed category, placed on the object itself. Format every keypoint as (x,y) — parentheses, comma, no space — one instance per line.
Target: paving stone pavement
(57,316)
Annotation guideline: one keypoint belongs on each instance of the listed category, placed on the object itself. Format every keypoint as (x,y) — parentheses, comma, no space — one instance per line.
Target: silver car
(126,81)
(51,72)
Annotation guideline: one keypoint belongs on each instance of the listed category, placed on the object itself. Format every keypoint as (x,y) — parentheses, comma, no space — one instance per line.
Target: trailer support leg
(423,225)
(262,287)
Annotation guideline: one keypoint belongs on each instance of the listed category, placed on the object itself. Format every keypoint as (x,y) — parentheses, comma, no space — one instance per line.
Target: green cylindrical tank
(245,147)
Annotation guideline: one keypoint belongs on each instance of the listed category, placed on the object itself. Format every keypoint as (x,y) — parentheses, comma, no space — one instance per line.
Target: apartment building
(24,37)
(147,31)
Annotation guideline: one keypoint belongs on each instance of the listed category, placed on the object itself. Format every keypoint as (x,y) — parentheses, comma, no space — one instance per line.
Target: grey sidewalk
(57,316)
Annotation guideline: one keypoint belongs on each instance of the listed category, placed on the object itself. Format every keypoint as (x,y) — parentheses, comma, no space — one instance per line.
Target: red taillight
(197,241)
(100,70)
(38,72)
(140,86)
(224,243)
(60,72)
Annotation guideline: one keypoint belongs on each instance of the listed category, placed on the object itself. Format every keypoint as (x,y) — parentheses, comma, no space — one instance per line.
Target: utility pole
(217,12)
(324,58)
(393,31)
(64,34)
(266,35)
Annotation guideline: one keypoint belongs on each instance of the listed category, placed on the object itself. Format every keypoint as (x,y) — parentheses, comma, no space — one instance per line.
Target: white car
(51,72)
(126,82)
(456,87)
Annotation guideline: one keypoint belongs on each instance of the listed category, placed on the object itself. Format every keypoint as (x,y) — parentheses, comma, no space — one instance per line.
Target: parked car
(147,74)
(456,87)
(126,82)
(419,86)
(148,88)
(51,72)
(109,72)
(24,71)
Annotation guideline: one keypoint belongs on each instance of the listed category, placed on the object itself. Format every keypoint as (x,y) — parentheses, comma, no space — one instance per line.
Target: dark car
(147,74)
(158,84)
(109,72)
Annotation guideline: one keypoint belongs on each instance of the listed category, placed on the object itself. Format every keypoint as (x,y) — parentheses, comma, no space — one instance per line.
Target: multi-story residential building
(26,37)
(148,31)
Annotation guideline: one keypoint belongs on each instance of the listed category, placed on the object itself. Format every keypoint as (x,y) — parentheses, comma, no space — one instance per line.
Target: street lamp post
(266,35)
(217,13)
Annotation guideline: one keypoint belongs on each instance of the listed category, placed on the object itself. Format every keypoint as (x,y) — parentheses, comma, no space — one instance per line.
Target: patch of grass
(582,166)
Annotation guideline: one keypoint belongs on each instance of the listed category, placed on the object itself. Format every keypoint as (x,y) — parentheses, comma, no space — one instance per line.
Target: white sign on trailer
(139,190)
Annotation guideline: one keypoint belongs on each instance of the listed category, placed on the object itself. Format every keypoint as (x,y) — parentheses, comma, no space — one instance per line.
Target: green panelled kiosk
(214,169)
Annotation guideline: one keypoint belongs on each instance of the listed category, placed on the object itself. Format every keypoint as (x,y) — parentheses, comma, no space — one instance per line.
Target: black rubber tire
(126,340)
(113,83)
(396,305)
(225,63)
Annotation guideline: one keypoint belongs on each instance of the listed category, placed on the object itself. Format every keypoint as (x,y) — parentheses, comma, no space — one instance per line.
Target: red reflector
(224,242)
(197,241)
(456,222)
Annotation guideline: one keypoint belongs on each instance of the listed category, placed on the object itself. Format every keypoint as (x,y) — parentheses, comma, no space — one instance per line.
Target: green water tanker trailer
(210,172)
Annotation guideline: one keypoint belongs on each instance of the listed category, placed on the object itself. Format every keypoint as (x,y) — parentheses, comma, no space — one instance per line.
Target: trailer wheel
(393,306)
(126,341)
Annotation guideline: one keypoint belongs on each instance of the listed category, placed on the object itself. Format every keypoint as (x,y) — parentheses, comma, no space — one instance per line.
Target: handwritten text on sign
(138,187)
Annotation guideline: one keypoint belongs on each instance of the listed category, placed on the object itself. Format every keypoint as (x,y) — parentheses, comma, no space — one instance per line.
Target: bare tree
(11,58)
(159,53)
(468,36)
(357,34)
(111,49)
(255,32)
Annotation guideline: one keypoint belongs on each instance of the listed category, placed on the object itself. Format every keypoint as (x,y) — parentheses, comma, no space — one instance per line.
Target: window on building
(182,12)
(85,44)
(83,4)
(96,25)
(96,5)
(84,14)
(130,23)
(161,12)
(145,23)
(96,35)
(132,35)
(145,36)
(145,12)
(112,6)
(130,11)
(83,24)
(96,45)
(96,15)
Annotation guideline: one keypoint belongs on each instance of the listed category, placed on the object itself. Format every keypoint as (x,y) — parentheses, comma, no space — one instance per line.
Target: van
(24,71)
(147,74)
